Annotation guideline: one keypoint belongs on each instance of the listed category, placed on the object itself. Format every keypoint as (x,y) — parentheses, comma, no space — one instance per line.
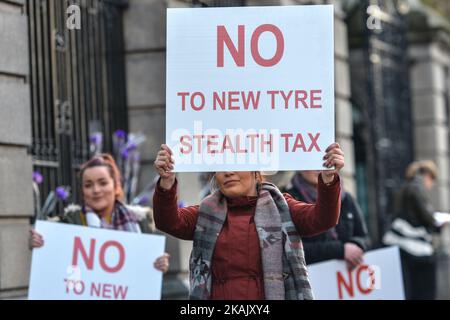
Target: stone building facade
(144,27)
(429,53)
(16,196)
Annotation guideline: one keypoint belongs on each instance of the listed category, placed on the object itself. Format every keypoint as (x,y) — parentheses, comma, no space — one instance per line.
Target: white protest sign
(250,88)
(379,278)
(81,263)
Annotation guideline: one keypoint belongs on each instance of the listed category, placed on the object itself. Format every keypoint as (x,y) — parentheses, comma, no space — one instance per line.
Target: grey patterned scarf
(283,262)
(122,219)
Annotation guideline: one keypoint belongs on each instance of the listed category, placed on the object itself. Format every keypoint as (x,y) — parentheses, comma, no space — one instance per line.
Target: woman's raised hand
(36,240)
(162,263)
(334,157)
(164,166)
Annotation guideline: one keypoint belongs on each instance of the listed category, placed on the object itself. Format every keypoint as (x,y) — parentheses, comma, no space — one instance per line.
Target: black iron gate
(384,139)
(77,85)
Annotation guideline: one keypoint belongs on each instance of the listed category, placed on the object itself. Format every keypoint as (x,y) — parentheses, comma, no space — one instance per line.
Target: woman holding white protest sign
(103,207)
(247,233)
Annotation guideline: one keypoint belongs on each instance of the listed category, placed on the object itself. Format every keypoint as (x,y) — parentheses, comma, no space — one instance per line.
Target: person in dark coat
(347,241)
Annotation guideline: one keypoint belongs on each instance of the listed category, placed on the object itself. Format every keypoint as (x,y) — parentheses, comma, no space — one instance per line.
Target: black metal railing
(77,85)
(389,117)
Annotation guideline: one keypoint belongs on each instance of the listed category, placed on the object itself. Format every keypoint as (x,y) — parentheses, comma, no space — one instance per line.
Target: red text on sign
(349,285)
(248,143)
(108,291)
(251,100)
(238,54)
(79,249)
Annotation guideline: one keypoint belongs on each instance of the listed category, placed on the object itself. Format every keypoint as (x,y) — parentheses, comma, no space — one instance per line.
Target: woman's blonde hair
(420,168)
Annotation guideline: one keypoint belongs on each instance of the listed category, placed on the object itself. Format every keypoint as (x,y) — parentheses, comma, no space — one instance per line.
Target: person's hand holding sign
(162,263)
(164,162)
(334,158)
(164,166)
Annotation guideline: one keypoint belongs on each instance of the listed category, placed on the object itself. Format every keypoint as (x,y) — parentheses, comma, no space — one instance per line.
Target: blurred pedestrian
(412,231)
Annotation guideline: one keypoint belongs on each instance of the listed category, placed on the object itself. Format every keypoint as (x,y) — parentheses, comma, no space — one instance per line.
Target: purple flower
(143,200)
(37,177)
(125,153)
(96,139)
(121,134)
(62,193)
(131,146)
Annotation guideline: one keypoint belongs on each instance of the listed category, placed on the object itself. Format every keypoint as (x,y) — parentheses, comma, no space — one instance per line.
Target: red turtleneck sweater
(236,266)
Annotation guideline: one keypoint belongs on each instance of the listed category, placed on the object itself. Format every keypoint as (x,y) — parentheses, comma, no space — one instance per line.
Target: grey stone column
(145,45)
(429,52)
(16,195)
(429,89)
(343,107)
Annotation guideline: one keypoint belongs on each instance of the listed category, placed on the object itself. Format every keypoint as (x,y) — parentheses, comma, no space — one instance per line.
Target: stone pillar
(16,195)
(343,107)
(429,52)
(145,45)
(430,99)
